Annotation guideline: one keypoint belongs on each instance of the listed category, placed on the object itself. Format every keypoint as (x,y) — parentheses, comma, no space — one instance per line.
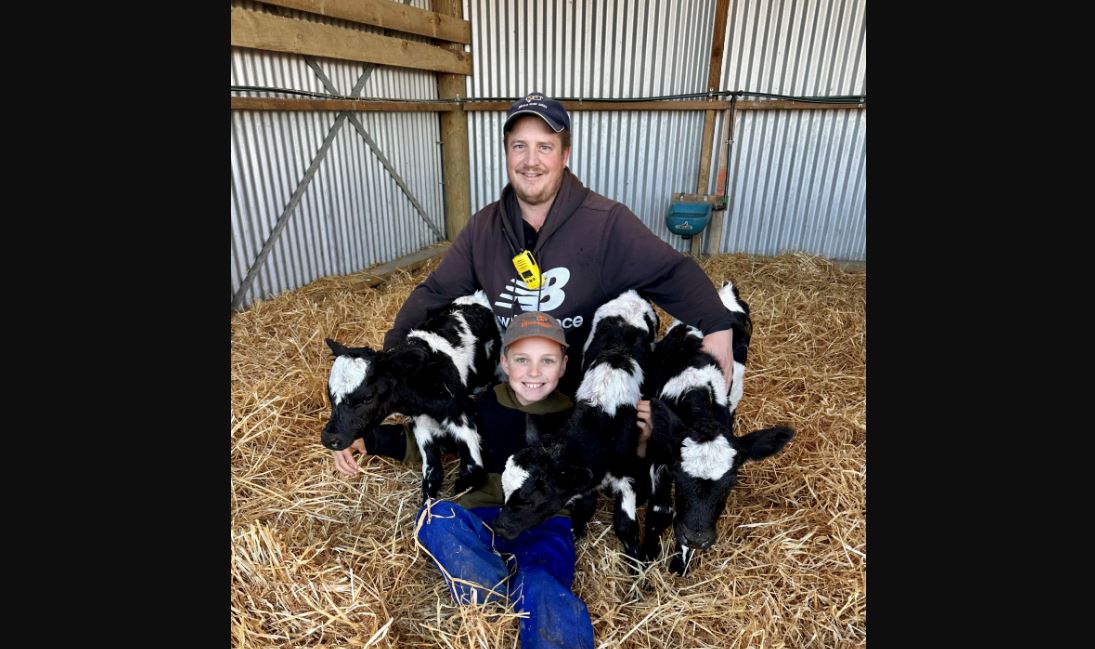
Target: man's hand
(720,344)
(645,426)
(344,459)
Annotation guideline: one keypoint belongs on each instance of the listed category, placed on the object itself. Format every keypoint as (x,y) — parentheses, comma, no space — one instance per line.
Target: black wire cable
(835,99)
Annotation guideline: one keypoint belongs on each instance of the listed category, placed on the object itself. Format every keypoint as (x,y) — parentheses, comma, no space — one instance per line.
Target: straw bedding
(321,560)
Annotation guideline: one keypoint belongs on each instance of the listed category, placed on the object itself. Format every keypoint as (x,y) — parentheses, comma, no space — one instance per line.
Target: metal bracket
(718,202)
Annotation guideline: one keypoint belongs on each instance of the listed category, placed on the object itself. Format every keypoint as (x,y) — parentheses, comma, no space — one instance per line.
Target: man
(589,249)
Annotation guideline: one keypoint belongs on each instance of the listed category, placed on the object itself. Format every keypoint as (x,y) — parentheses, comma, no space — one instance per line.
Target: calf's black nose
(503,531)
(332,442)
(700,540)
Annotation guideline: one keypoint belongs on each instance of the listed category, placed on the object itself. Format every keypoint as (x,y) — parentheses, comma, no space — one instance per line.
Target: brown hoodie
(590,249)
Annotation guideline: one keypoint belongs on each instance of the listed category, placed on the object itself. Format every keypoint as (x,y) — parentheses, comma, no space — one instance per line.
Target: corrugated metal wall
(797,178)
(352,214)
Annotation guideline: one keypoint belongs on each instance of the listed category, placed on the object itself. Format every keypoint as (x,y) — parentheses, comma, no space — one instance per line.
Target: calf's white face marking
(608,388)
(346,374)
(707,460)
(707,377)
(513,477)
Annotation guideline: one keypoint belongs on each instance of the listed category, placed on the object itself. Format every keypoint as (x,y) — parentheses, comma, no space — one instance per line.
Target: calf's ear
(408,360)
(338,349)
(576,478)
(759,444)
(665,421)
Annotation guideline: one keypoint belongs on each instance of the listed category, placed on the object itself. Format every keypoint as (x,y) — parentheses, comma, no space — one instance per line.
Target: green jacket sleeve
(395,441)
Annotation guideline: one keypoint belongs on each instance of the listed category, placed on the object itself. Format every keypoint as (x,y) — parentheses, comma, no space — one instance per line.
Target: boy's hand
(645,426)
(344,459)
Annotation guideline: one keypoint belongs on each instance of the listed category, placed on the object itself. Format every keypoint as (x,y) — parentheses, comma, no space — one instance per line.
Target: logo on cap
(536,103)
(540,321)
(533,323)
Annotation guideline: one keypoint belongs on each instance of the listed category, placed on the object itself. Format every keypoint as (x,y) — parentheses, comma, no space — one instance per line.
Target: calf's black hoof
(472,480)
(651,552)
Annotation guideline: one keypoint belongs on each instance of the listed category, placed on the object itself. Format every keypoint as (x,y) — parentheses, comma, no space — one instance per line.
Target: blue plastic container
(687,219)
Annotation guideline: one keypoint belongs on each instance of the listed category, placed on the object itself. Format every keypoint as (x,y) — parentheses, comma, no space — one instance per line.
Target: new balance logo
(565,323)
(550,293)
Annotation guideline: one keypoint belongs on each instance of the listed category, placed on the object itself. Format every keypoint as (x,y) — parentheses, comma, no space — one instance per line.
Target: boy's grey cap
(533,324)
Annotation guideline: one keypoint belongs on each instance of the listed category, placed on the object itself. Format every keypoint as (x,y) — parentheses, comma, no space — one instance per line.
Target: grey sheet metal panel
(796,47)
(803,188)
(798,178)
(352,215)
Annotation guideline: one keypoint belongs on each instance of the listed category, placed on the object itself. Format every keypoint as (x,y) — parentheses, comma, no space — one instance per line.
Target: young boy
(536,569)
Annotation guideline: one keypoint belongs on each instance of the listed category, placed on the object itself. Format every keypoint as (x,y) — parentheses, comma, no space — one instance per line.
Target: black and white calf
(429,377)
(742,327)
(693,418)
(628,323)
(597,447)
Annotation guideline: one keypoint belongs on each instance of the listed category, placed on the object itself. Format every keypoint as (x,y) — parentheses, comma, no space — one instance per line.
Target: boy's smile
(534,366)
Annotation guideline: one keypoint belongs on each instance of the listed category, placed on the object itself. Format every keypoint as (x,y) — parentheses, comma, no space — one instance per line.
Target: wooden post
(705,171)
(455,161)
(714,236)
(721,9)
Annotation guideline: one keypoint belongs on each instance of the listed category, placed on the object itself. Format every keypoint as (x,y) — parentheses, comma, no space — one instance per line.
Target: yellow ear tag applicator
(527,269)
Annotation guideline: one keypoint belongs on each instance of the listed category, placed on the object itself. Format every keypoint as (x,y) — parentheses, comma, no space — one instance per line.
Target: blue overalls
(535,574)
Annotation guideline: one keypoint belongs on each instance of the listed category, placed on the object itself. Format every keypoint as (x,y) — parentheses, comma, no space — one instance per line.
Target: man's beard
(546,194)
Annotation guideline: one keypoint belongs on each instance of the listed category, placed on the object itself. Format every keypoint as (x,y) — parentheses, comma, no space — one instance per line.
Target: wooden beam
(455,158)
(850,266)
(714,70)
(279,34)
(279,103)
(673,104)
(786,104)
(595,104)
(387,14)
(379,274)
